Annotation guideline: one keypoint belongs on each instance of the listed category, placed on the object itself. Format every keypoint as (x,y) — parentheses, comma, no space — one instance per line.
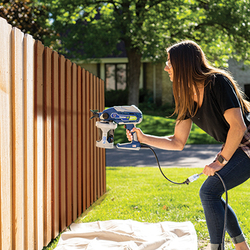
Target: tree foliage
(28,16)
(91,29)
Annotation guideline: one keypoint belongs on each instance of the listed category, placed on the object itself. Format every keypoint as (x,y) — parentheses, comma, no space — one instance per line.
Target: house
(113,71)
(241,74)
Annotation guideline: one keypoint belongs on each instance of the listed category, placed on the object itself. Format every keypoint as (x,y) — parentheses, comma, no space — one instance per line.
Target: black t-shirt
(219,95)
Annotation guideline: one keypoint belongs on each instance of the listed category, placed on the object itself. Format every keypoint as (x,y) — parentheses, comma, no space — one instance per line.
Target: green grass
(142,194)
(161,126)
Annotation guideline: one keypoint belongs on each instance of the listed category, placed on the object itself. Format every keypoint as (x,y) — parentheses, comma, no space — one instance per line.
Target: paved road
(191,156)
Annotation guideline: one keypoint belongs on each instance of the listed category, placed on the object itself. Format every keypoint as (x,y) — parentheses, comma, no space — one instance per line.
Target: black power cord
(191,179)
(187,181)
(178,183)
(225,215)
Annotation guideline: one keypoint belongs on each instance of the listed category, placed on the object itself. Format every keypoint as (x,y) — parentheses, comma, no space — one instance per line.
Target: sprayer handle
(130,127)
(134,144)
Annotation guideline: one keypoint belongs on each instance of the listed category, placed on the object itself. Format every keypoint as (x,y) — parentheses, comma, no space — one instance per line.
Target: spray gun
(109,118)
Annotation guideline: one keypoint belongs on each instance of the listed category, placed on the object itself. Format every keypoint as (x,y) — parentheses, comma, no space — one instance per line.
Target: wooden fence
(50,169)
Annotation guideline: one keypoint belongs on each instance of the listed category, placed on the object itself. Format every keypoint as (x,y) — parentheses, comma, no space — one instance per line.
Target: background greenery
(94,29)
(30,16)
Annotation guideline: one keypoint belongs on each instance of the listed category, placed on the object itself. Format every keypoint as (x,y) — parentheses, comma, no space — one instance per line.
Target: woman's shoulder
(215,77)
(217,80)
(220,86)
(221,78)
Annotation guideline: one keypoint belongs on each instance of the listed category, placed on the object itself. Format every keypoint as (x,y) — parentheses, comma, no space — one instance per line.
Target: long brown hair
(190,71)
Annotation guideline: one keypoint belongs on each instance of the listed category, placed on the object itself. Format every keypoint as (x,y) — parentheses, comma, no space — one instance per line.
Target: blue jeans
(234,173)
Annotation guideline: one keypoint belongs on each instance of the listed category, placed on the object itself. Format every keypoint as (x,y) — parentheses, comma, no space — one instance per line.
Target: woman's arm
(173,142)
(234,137)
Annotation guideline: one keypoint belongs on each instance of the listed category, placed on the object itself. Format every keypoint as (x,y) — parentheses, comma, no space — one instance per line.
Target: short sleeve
(224,93)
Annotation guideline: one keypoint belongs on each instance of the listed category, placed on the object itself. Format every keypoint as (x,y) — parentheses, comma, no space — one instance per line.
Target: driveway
(190,156)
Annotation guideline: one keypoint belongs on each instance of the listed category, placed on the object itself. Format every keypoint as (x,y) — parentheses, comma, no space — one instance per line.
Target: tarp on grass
(129,234)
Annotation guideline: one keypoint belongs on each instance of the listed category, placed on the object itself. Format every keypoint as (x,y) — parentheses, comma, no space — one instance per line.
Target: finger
(206,170)
(129,135)
(128,132)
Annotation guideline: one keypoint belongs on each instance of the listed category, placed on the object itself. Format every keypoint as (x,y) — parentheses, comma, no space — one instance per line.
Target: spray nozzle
(193,178)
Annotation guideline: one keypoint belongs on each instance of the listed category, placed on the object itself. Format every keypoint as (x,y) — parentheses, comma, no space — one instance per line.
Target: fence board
(18,139)
(98,175)
(39,146)
(84,141)
(79,142)
(95,165)
(5,137)
(92,146)
(55,144)
(88,141)
(69,141)
(74,141)
(62,142)
(29,141)
(48,147)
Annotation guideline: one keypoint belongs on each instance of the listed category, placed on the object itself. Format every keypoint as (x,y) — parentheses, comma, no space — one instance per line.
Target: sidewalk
(191,156)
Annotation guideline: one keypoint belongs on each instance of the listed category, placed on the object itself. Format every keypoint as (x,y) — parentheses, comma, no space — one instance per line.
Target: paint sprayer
(109,118)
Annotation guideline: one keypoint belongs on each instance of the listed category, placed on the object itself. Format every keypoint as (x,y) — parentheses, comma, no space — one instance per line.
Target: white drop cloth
(129,234)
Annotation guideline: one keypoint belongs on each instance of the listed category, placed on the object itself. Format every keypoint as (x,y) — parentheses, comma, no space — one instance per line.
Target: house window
(247,90)
(116,76)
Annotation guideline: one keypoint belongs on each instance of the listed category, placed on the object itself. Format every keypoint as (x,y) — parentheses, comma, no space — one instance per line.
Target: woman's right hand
(138,133)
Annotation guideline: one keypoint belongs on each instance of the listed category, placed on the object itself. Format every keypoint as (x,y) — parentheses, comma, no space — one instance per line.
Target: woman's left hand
(210,169)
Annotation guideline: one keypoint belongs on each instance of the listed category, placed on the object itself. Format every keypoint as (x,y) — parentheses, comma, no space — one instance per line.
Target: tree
(29,16)
(91,29)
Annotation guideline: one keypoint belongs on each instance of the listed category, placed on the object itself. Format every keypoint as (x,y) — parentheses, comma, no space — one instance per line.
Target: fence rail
(50,169)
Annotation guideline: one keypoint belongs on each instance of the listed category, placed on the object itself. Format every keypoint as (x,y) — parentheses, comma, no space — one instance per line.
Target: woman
(210,98)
